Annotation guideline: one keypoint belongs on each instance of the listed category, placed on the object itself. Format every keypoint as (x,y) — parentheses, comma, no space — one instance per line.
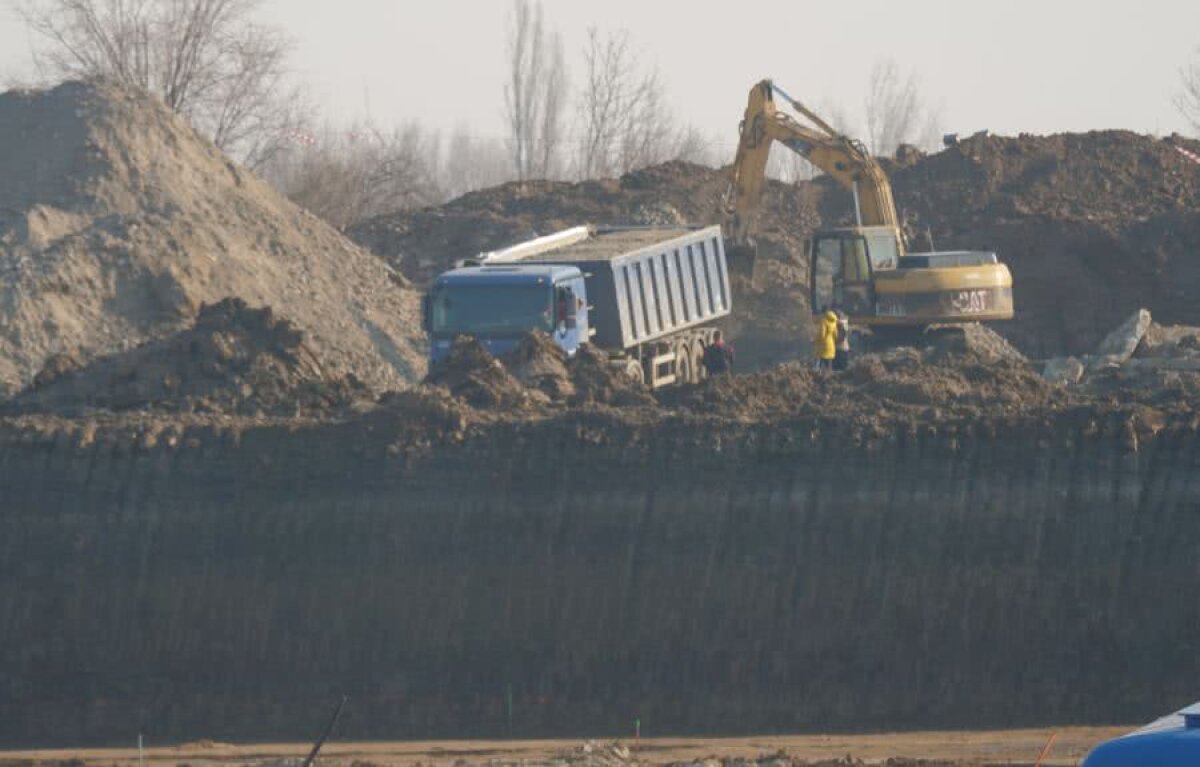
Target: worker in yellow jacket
(825,342)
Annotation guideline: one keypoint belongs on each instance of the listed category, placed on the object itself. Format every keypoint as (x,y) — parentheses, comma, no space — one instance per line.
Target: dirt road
(1001,747)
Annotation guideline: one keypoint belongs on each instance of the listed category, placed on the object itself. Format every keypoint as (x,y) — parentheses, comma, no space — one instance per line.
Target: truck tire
(685,365)
(699,372)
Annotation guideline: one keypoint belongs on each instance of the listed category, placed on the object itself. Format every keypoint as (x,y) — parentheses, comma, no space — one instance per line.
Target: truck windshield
(491,309)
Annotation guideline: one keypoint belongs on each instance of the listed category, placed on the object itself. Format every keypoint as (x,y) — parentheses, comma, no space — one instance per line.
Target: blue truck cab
(500,303)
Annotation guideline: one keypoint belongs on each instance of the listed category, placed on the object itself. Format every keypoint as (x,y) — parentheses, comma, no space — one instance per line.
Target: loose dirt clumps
(539,363)
(904,382)
(235,359)
(470,373)
(533,376)
(598,382)
(117,222)
(972,339)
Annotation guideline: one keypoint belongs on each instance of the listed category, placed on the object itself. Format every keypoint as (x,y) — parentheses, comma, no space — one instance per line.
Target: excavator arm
(845,160)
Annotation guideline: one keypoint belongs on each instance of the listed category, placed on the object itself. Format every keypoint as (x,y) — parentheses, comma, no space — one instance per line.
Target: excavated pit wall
(210,582)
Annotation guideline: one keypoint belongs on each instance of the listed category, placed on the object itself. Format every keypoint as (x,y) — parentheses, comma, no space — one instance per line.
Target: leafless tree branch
(206,59)
(895,111)
(624,120)
(1187,101)
(535,94)
(344,176)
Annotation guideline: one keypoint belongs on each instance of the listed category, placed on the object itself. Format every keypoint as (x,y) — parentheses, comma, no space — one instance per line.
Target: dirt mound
(539,363)
(533,376)
(1100,176)
(971,340)
(903,382)
(422,243)
(598,382)
(470,373)
(117,222)
(235,359)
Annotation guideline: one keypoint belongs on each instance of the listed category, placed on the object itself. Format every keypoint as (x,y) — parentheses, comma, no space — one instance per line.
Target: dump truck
(648,297)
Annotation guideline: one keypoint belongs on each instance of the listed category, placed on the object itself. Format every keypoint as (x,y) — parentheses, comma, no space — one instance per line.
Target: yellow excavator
(866,268)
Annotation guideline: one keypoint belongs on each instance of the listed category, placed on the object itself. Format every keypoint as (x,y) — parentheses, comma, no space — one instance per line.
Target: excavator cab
(844,263)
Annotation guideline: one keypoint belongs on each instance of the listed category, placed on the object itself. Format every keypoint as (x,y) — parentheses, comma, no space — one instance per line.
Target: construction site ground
(1000,748)
(223,460)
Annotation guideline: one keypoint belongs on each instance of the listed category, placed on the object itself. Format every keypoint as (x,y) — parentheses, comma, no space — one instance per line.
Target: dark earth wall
(230,584)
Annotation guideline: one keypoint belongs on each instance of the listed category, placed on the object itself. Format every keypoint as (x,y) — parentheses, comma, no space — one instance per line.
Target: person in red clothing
(718,356)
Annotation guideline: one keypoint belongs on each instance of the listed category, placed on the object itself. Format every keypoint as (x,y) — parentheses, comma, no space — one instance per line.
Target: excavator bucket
(740,260)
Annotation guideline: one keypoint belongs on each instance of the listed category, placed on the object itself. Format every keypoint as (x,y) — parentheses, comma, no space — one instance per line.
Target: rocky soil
(955,378)
(234,360)
(118,222)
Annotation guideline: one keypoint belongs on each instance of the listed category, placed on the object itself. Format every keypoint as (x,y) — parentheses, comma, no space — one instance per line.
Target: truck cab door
(571,316)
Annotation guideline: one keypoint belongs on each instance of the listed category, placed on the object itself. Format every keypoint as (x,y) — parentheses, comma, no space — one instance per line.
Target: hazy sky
(1012,66)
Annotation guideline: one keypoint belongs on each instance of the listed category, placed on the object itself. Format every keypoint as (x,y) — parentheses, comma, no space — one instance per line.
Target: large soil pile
(117,222)
(234,360)
(422,243)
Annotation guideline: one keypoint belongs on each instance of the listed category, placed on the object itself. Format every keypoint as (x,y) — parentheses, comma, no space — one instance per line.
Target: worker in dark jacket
(718,356)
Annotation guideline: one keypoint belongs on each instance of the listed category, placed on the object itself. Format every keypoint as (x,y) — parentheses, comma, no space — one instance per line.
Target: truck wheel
(699,372)
(684,365)
(634,372)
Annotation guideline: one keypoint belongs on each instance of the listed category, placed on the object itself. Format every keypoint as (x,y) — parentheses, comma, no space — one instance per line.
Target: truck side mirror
(426,313)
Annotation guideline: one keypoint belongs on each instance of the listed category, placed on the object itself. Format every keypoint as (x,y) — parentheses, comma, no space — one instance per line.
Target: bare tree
(344,176)
(207,59)
(473,163)
(689,145)
(535,95)
(895,111)
(624,120)
(1187,101)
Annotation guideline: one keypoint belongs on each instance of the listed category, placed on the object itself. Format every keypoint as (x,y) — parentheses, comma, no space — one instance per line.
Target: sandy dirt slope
(117,222)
